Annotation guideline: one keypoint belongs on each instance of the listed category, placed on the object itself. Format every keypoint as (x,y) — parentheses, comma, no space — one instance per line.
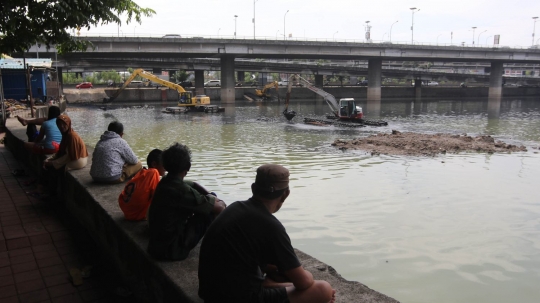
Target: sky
(436,21)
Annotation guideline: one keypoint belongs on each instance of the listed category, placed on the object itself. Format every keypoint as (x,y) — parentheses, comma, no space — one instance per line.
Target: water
(454,228)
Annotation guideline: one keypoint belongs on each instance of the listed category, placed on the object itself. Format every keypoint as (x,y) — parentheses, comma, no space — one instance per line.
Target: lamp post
(218,31)
(254,1)
(473,28)
(284,31)
(413,10)
(534,29)
(383,36)
(277,33)
(390,35)
(478,40)
(368,32)
(488,39)
(235,16)
(134,31)
(438,39)
(334,35)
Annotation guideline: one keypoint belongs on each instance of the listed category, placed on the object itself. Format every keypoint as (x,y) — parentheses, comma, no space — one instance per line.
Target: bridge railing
(306,39)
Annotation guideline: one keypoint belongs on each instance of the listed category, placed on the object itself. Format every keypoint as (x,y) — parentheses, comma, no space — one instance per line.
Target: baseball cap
(272,177)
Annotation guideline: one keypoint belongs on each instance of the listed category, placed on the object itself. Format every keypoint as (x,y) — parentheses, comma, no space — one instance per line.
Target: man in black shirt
(247,256)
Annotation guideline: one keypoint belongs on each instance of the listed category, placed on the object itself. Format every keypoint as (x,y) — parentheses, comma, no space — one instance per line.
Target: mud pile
(414,144)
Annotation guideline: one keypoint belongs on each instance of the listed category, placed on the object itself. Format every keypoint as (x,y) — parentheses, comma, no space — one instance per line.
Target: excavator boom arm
(151,77)
(329,98)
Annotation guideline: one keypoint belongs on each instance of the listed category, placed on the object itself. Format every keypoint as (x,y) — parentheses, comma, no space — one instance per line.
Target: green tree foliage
(24,23)
(179,76)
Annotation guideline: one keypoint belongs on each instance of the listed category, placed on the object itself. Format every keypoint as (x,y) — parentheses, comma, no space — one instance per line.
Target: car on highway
(210,83)
(283,83)
(185,83)
(172,36)
(432,83)
(362,83)
(84,85)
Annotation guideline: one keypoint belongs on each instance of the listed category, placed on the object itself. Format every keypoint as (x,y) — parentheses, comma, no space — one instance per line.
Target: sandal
(75,276)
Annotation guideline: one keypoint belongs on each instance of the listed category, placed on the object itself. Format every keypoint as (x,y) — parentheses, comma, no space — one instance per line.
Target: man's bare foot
(333,296)
(21,120)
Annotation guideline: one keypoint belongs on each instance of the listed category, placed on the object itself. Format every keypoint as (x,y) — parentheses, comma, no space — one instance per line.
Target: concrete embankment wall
(152,94)
(124,242)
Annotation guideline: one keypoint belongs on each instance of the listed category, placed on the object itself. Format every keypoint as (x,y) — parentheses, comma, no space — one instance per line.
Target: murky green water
(455,228)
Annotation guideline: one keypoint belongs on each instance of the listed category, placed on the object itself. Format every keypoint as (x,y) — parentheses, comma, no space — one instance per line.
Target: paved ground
(40,242)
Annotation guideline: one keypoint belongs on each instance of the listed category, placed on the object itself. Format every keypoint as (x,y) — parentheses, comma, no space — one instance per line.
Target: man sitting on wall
(246,255)
(113,161)
(181,210)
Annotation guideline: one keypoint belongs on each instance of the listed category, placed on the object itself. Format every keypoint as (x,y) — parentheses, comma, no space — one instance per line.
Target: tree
(24,23)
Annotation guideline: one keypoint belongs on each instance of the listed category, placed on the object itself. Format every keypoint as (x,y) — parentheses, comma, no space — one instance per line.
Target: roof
(17,63)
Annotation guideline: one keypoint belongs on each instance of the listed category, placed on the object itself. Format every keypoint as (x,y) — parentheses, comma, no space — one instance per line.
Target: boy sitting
(181,211)
(136,197)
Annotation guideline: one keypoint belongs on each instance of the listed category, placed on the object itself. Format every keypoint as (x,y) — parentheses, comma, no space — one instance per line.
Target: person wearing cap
(247,256)
(181,210)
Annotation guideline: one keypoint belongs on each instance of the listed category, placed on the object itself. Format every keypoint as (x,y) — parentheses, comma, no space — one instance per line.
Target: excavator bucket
(289,114)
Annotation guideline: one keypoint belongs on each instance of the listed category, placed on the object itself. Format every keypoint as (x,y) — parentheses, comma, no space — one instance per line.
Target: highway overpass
(227,50)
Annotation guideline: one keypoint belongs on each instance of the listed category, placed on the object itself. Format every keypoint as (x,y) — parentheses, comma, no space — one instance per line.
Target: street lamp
(235,16)
(333,36)
(438,39)
(413,9)
(488,39)
(383,36)
(277,33)
(134,31)
(473,28)
(390,35)
(478,40)
(254,1)
(534,29)
(218,31)
(284,31)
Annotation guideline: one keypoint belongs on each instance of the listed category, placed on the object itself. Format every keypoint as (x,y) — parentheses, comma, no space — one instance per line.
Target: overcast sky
(341,20)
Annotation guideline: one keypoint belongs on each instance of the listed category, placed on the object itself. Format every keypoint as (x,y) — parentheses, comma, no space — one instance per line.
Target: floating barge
(198,109)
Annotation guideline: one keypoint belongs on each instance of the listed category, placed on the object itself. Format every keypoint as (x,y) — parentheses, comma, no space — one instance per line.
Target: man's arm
(301,278)
(219,206)
(40,136)
(128,154)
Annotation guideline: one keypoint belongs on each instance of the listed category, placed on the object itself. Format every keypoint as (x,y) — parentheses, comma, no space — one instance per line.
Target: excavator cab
(184,98)
(348,109)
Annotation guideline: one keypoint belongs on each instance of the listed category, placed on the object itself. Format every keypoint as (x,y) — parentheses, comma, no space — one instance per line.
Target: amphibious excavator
(186,101)
(346,112)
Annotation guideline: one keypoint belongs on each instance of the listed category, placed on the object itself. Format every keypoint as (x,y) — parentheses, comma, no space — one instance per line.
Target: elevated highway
(227,50)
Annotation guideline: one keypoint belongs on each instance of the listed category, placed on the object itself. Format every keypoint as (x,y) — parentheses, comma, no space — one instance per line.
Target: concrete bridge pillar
(241,76)
(495,80)
(374,79)
(199,82)
(418,88)
(319,80)
(227,79)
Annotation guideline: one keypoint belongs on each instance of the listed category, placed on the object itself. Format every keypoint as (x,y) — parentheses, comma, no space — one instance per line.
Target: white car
(283,83)
(215,83)
(433,83)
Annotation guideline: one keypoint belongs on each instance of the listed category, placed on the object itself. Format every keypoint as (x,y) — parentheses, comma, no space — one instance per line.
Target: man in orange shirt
(136,197)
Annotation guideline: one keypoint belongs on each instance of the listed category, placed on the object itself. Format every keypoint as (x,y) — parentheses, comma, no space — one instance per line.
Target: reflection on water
(456,228)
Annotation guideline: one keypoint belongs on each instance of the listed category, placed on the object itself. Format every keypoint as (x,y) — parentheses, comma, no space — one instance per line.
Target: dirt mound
(414,144)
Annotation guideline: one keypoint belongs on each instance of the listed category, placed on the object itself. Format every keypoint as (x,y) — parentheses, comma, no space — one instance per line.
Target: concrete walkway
(40,242)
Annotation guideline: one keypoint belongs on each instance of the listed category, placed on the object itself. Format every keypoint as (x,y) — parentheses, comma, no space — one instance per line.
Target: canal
(453,228)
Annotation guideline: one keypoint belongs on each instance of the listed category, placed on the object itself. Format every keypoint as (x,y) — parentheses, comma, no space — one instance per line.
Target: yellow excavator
(185,98)
(263,93)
